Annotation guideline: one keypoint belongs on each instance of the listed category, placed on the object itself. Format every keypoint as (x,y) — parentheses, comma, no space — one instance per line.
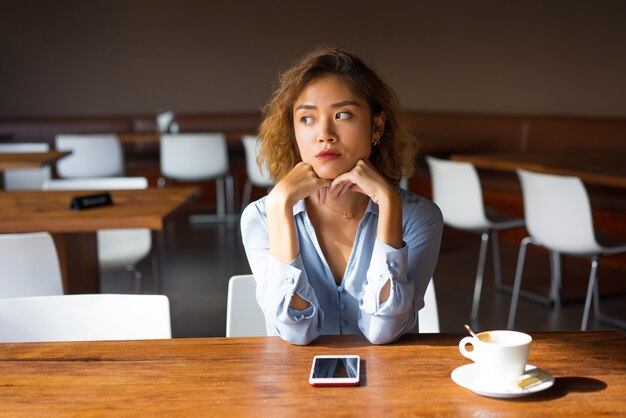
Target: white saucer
(468,377)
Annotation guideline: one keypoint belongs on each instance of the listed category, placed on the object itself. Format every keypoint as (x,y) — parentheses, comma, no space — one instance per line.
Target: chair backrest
(457,191)
(558,212)
(194,157)
(244,317)
(85,318)
(97,183)
(29,265)
(25,178)
(259,176)
(428,316)
(93,155)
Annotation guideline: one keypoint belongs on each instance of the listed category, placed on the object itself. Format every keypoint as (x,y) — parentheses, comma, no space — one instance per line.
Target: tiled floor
(199,259)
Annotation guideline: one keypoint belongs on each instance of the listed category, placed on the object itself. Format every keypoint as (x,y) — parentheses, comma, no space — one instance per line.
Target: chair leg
(555,279)
(224,193)
(137,275)
(230,194)
(480,272)
(596,307)
(497,269)
(590,289)
(596,299)
(219,196)
(158,257)
(517,282)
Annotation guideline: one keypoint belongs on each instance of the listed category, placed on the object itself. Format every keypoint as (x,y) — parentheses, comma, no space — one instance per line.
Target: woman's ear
(378,126)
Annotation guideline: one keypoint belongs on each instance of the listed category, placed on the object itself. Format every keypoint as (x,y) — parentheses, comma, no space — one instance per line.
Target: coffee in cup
(498,355)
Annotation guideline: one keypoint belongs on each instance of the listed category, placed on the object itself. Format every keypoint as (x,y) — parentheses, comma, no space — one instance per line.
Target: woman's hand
(299,183)
(363,178)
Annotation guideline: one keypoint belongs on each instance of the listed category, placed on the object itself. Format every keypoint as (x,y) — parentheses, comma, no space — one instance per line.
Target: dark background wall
(67,57)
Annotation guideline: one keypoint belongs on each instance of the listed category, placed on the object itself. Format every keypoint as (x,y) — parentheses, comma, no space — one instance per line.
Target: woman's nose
(326,132)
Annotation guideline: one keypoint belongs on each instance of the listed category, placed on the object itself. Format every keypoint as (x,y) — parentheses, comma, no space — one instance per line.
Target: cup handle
(463,350)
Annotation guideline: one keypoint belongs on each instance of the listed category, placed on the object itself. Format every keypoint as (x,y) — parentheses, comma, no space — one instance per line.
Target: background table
(599,167)
(30,159)
(74,231)
(265,376)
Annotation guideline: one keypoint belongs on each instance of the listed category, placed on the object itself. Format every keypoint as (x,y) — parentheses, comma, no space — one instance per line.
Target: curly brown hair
(393,157)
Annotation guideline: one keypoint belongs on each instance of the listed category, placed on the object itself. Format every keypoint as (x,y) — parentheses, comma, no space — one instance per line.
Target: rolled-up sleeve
(408,269)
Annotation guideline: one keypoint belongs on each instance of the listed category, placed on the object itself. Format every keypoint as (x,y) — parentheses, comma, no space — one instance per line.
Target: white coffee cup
(498,355)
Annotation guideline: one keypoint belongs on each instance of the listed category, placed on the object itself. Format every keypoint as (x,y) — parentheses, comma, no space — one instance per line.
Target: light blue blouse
(353,306)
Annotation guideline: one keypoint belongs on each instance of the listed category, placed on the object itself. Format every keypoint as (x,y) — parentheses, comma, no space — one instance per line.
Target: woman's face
(333,126)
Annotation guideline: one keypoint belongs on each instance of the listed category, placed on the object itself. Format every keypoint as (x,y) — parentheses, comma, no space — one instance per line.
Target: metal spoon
(485,337)
(469,329)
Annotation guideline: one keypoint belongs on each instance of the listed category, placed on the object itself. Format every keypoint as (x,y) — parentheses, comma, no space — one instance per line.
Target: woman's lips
(327,155)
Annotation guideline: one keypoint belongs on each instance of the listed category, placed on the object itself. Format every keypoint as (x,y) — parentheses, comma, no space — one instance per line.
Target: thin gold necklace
(346,215)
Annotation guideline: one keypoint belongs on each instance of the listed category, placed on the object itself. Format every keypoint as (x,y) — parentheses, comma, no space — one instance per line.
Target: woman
(337,247)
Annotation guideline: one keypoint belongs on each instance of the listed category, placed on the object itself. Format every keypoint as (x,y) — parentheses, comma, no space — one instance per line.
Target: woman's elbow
(298,338)
(380,338)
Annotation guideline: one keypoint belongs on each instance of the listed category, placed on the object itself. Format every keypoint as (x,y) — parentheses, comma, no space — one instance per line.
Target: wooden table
(134,138)
(599,167)
(264,376)
(74,231)
(30,159)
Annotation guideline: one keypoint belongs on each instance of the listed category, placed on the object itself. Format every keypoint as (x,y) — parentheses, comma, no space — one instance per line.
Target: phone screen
(335,370)
(335,367)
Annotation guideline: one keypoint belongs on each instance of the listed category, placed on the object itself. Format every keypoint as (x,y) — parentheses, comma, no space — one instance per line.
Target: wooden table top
(599,167)
(30,159)
(49,211)
(264,376)
(137,137)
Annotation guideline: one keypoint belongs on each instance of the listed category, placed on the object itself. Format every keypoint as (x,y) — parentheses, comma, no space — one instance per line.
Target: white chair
(457,191)
(29,265)
(117,248)
(428,316)
(25,178)
(244,317)
(85,318)
(256,176)
(200,157)
(93,155)
(558,217)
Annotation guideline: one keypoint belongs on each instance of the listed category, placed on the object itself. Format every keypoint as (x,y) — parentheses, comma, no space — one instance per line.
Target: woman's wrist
(281,228)
(390,219)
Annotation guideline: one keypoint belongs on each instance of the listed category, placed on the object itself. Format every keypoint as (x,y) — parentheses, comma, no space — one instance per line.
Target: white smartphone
(335,370)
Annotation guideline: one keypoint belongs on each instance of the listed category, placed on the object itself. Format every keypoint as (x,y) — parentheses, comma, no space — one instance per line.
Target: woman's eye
(306,119)
(343,115)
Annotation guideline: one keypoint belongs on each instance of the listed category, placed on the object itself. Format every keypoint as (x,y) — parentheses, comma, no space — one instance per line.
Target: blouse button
(393,264)
(340,289)
(341,306)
